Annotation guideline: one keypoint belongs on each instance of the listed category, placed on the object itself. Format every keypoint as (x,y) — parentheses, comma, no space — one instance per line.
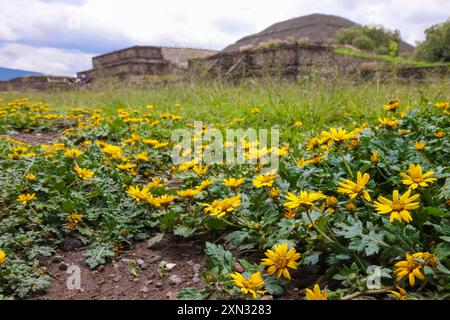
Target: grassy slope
(387,58)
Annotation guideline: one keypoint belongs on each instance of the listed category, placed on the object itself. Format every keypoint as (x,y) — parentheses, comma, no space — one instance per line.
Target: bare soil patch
(116,281)
(35,138)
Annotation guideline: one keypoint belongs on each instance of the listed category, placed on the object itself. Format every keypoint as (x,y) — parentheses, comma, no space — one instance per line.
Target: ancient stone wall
(302,59)
(143,60)
(37,83)
(180,56)
(143,53)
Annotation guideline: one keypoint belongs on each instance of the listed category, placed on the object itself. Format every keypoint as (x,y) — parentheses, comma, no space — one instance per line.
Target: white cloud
(41,59)
(100,26)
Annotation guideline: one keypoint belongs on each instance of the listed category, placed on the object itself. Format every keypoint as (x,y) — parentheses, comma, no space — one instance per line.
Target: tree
(436,46)
(369,38)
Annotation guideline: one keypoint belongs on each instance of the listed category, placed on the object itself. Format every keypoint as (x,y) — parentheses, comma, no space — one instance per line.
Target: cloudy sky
(61,36)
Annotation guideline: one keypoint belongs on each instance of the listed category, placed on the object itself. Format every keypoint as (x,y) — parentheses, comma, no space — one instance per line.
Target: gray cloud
(99,26)
(232,26)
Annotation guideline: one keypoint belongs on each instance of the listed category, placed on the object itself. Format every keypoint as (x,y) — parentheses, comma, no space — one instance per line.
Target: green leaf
(310,258)
(369,243)
(436,212)
(217,257)
(273,286)
(238,237)
(184,231)
(98,255)
(190,294)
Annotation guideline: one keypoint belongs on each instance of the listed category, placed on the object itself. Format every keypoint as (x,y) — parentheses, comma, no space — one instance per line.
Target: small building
(143,60)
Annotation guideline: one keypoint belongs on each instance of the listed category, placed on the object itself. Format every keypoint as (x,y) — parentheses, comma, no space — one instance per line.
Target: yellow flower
(304,201)
(303,162)
(353,189)
(250,285)
(150,142)
(72,153)
(161,145)
(350,206)
(392,105)
(199,169)
(143,156)
(233,183)
(2,256)
(255,110)
(290,214)
(204,184)
(163,200)
(331,202)
(139,194)
(84,174)
(264,180)
(157,182)
(113,151)
(280,259)
(73,220)
(398,207)
(30,177)
(221,207)
(400,294)
(274,192)
(133,139)
(443,105)
(337,135)
(354,144)
(440,134)
(316,294)
(280,152)
(409,267)
(416,178)
(428,258)
(390,123)
(26,197)
(374,157)
(126,166)
(420,146)
(298,124)
(404,132)
(313,143)
(188,193)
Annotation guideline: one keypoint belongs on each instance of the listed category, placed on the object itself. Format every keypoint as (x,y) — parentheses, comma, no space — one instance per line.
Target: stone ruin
(287,60)
(143,60)
(291,60)
(37,83)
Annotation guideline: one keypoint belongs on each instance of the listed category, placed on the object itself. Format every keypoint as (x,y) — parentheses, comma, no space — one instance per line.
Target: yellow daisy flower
(398,207)
(280,259)
(354,189)
(251,285)
(316,294)
(415,178)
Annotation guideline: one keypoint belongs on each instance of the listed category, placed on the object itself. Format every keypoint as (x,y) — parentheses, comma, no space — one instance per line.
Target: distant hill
(314,27)
(7,74)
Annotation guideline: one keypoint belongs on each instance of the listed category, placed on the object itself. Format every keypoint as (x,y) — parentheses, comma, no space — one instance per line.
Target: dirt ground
(35,138)
(117,281)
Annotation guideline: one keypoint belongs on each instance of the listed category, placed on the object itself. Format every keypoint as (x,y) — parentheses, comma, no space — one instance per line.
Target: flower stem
(347,166)
(318,229)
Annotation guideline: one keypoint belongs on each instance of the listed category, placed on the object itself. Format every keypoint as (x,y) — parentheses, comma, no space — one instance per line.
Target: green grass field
(316,103)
